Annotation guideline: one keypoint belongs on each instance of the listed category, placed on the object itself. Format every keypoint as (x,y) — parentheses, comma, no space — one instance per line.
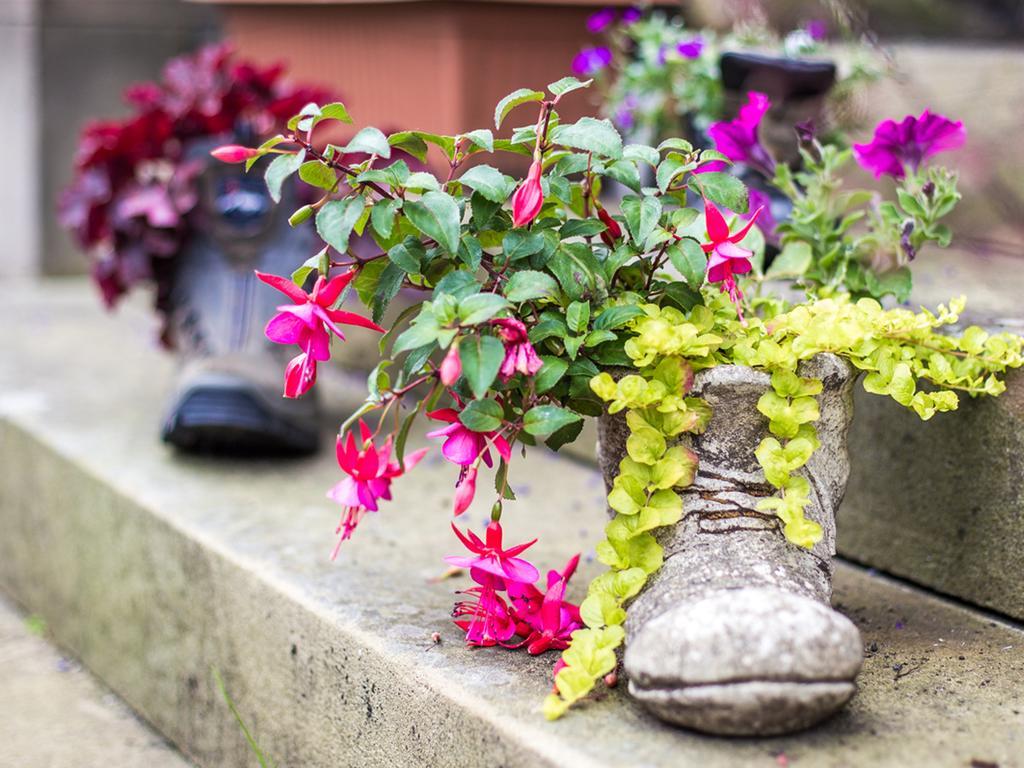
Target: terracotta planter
(734,634)
(434,66)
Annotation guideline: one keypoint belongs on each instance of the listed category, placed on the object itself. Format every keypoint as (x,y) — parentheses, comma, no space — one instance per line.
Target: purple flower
(895,146)
(462,445)
(489,563)
(590,61)
(691,49)
(817,29)
(600,21)
(738,139)
(632,15)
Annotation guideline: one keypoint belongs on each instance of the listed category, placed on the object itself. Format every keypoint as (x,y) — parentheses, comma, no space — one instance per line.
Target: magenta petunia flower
(489,564)
(590,61)
(895,147)
(632,15)
(600,21)
(545,619)
(691,49)
(520,356)
(485,617)
(817,29)
(368,474)
(725,258)
(462,445)
(738,139)
(309,322)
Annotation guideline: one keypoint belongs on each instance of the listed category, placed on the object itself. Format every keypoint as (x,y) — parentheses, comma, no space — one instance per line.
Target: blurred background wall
(62,63)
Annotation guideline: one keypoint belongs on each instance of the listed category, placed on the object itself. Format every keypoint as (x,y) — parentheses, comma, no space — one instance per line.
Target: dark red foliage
(128,203)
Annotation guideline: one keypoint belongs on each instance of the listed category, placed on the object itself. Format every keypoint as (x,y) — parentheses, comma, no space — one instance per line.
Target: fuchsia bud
(465,491)
(528,199)
(234,153)
(451,366)
(613,231)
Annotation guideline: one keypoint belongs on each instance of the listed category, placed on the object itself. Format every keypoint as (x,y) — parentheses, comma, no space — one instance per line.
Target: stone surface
(152,567)
(734,635)
(54,714)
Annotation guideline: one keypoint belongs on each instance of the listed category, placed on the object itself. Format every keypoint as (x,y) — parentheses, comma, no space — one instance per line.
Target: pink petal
(285,328)
(331,290)
(718,230)
(285,286)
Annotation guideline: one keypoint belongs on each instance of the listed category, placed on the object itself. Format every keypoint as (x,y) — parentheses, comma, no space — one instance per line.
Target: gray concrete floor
(54,714)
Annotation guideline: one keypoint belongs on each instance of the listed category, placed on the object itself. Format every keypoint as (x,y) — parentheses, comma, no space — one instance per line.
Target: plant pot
(735,634)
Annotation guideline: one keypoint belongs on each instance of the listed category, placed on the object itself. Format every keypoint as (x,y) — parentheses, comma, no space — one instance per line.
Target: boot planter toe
(734,634)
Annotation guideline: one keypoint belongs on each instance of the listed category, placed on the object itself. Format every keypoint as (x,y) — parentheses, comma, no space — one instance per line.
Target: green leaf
(481,138)
(550,373)
(480,307)
(677,145)
(530,284)
(423,331)
(792,261)
(566,85)
(520,243)
(367,279)
(388,286)
(422,180)
(724,189)
(481,358)
(578,316)
(669,169)
(393,175)
(543,420)
(409,142)
(688,257)
(482,415)
(334,111)
(316,174)
(642,215)
(382,216)
(334,222)
(488,182)
(436,215)
(641,153)
(581,228)
(590,135)
(470,251)
(616,317)
(371,141)
(513,100)
(313,264)
(408,255)
(280,168)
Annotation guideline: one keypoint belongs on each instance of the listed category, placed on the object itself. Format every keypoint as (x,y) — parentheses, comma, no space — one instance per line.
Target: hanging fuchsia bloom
(369,471)
(590,61)
(465,490)
(451,366)
(546,620)
(528,199)
(309,323)
(519,352)
(490,565)
(484,618)
(895,147)
(234,153)
(462,445)
(738,139)
(601,20)
(725,258)
(613,232)
(299,375)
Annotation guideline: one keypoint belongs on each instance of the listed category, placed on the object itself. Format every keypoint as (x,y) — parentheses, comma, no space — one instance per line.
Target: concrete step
(55,714)
(153,567)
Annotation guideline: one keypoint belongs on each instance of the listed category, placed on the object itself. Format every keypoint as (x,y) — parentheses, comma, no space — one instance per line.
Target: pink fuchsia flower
(738,139)
(234,153)
(485,617)
(725,258)
(528,199)
(600,21)
(590,61)
(465,490)
(519,352)
(309,321)
(299,375)
(451,366)
(613,232)
(546,620)
(462,445)
(368,474)
(489,564)
(896,147)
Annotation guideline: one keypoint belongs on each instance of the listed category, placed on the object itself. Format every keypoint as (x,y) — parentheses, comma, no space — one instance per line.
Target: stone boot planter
(735,634)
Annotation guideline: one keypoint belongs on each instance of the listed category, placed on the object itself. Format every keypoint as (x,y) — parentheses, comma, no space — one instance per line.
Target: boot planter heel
(735,634)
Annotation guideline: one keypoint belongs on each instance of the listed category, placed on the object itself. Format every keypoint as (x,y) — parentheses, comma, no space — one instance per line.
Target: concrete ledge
(153,567)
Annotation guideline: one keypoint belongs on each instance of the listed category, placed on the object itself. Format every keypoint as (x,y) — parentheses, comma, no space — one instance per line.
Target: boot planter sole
(734,634)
